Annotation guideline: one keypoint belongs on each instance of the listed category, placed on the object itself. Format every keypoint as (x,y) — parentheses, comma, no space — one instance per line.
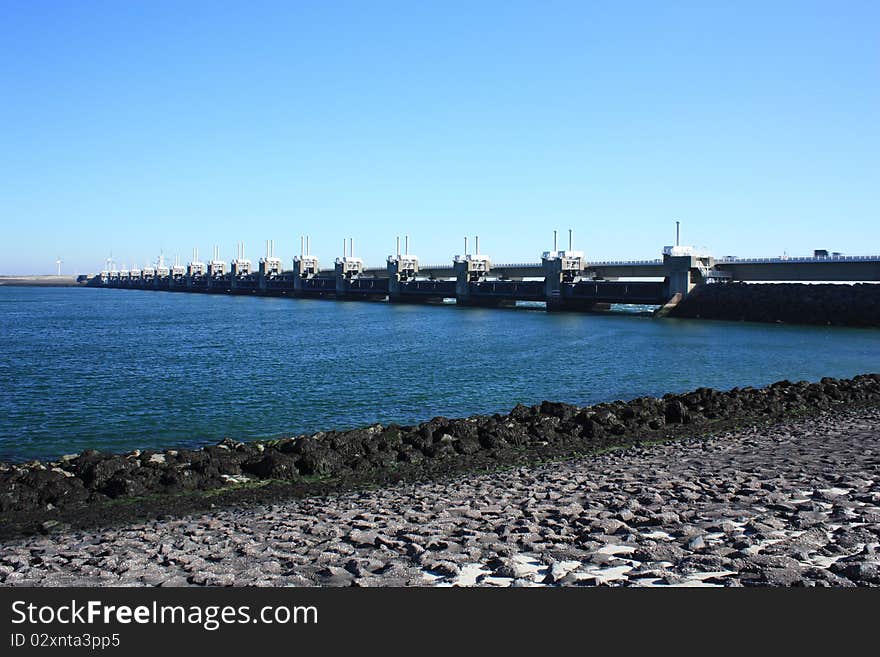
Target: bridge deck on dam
(843,268)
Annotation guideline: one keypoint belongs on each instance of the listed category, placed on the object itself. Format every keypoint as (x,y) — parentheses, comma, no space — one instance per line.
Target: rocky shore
(790,303)
(93,488)
(795,503)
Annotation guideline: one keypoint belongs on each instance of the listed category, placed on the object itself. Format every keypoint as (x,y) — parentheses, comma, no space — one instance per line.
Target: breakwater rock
(120,486)
(791,303)
(794,503)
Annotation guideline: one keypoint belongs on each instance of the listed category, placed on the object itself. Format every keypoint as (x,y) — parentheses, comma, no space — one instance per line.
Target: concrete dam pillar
(462,279)
(305,265)
(469,269)
(348,268)
(560,267)
(401,268)
(679,274)
(552,267)
(270,267)
(683,273)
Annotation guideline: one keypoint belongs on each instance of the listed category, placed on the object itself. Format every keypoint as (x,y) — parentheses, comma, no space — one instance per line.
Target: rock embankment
(790,504)
(791,303)
(41,281)
(116,487)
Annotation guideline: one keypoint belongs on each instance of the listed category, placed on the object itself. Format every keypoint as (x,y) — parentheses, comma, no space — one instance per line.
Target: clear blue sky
(137,126)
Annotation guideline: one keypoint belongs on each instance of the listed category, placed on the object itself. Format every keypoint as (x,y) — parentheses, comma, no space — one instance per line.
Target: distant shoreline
(40,281)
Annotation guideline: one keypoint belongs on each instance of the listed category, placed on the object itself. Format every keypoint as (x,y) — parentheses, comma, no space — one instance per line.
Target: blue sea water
(123,369)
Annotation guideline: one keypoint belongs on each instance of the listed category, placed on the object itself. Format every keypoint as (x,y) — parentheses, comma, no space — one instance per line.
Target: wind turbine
(58,262)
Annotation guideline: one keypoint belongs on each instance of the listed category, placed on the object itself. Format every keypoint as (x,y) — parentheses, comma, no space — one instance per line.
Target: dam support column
(401,268)
(216,273)
(270,268)
(196,270)
(347,268)
(469,268)
(684,271)
(679,276)
(305,265)
(240,271)
(462,280)
(560,267)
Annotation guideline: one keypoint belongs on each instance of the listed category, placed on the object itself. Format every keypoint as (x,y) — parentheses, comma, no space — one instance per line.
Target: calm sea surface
(123,369)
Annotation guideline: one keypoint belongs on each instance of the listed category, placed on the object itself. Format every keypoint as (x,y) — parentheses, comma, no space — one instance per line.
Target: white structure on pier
(567,263)
(348,266)
(476,265)
(270,266)
(403,267)
(178,271)
(305,265)
(216,267)
(241,266)
(162,270)
(196,267)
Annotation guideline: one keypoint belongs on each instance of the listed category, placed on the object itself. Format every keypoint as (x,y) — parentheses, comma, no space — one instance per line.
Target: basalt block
(377,454)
